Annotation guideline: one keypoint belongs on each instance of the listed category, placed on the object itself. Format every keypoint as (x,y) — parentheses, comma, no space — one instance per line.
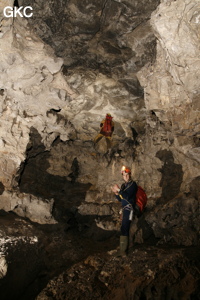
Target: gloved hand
(115,188)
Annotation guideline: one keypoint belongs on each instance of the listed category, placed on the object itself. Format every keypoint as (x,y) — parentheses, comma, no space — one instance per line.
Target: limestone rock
(97,35)
(3,267)
(26,205)
(29,97)
(171,88)
(5,23)
(175,223)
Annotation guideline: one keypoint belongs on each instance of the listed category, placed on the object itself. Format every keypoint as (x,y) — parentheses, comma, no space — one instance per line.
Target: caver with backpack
(133,200)
(107,128)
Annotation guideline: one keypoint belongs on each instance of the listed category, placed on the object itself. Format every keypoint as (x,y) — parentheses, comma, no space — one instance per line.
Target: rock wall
(171,90)
(140,62)
(106,54)
(140,66)
(31,89)
(37,97)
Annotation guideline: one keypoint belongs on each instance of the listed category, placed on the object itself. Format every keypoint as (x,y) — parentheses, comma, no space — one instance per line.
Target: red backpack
(107,126)
(141,198)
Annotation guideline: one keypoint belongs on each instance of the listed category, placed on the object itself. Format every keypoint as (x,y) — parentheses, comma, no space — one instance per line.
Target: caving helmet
(108,116)
(126,170)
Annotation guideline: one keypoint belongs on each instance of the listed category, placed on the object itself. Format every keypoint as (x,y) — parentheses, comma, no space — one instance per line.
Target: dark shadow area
(195,188)
(133,86)
(67,193)
(25,260)
(2,188)
(24,273)
(30,266)
(34,178)
(172,175)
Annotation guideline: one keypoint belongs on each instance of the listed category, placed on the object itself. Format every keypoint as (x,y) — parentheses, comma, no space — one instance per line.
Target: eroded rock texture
(107,36)
(171,86)
(34,77)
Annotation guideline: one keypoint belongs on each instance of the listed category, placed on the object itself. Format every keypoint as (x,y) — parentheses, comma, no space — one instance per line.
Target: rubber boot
(123,246)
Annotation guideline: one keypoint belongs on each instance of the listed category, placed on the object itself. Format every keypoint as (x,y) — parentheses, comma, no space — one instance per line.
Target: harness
(129,206)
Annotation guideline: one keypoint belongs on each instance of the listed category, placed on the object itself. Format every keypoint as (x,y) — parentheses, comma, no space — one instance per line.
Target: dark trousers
(125,226)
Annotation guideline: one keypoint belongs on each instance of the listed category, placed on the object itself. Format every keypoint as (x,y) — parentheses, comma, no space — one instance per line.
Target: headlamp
(126,170)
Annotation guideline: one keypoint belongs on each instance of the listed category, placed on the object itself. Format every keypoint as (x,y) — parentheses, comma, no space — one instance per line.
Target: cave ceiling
(100,35)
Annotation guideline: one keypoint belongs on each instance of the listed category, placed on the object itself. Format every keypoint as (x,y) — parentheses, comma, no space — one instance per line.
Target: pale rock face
(99,95)
(178,54)
(22,96)
(31,88)
(25,205)
(171,86)
(3,267)
(5,23)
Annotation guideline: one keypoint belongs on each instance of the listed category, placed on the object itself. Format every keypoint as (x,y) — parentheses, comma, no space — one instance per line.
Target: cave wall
(32,86)
(138,61)
(171,87)
(61,72)
(72,111)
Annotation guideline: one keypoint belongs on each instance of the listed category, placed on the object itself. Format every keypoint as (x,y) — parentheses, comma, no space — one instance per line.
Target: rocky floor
(32,254)
(146,273)
(75,266)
